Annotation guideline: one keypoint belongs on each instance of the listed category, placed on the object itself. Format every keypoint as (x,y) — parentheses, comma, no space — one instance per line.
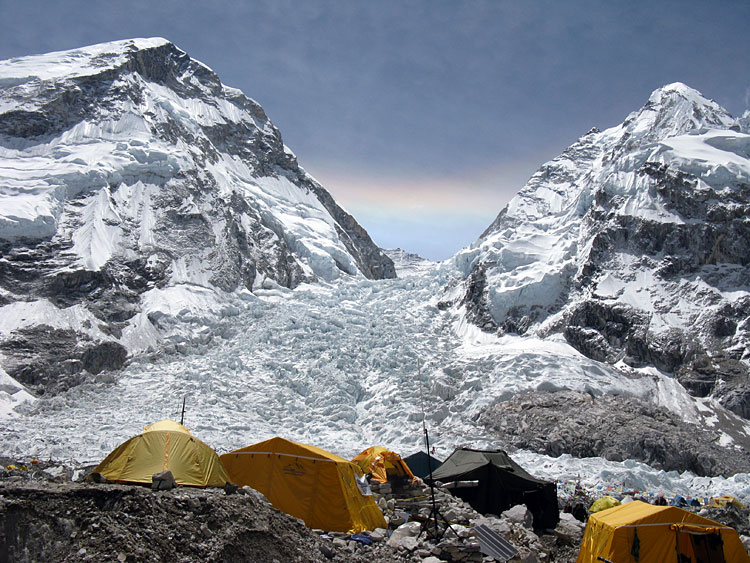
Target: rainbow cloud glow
(433,217)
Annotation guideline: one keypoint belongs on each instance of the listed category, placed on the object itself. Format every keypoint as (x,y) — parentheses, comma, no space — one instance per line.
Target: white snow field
(339,367)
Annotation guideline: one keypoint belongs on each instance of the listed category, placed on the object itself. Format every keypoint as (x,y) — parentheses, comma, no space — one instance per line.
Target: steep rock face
(128,170)
(616,428)
(634,245)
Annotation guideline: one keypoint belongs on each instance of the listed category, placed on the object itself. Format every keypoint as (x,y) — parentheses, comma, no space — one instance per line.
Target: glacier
(339,366)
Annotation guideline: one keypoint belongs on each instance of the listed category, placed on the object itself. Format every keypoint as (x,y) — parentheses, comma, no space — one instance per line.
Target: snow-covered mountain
(634,244)
(633,248)
(407,263)
(135,190)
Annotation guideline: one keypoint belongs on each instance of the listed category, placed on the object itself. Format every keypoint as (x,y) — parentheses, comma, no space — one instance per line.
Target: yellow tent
(723,500)
(643,533)
(323,489)
(164,445)
(603,503)
(382,463)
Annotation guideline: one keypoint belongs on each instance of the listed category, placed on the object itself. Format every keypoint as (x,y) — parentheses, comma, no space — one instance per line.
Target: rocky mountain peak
(132,179)
(631,245)
(155,59)
(671,110)
(82,61)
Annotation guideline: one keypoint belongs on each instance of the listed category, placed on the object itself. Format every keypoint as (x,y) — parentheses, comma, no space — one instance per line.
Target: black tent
(502,483)
(418,464)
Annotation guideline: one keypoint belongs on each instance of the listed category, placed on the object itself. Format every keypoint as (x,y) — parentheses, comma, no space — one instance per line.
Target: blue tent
(418,464)
(678,501)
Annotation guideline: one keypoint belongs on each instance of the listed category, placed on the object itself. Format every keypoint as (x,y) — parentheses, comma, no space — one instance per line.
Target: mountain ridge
(632,247)
(129,170)
(181,273)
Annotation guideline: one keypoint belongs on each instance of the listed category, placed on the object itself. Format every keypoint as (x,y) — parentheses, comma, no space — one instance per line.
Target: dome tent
(323,489)
(382,464)
(164,445)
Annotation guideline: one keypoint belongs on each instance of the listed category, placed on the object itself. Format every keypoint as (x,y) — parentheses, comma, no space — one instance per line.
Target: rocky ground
(48,514)
(45,515)
(615,428)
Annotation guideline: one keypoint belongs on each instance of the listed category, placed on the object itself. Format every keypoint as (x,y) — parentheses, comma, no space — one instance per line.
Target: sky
(423,118)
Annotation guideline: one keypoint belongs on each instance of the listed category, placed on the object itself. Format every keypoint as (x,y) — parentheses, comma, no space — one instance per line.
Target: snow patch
(25,314)
(12,394)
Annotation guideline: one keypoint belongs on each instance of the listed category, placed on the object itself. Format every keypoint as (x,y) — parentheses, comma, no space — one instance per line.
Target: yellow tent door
(164,445)
(307,482)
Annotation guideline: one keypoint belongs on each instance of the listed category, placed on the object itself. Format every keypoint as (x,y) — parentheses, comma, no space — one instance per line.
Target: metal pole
(182,418)
(434,512)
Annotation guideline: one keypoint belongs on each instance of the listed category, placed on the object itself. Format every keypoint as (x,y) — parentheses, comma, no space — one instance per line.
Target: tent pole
(182,418)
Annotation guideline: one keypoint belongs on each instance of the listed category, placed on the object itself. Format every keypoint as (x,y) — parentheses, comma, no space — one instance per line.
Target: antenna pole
(182,418)
(434,513)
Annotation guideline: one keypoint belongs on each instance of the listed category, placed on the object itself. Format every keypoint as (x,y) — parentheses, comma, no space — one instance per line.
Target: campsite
(165,495)
(324,228)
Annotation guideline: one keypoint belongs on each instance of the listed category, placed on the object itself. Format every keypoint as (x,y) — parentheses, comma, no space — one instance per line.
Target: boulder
(409,543)
(569,530)
(163,481)
(519,514)
(247,490)
(408,530)
(378,534)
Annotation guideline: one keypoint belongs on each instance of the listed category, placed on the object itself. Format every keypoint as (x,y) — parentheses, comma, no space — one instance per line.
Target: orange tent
(323,489)
(382,463)
(644,533)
